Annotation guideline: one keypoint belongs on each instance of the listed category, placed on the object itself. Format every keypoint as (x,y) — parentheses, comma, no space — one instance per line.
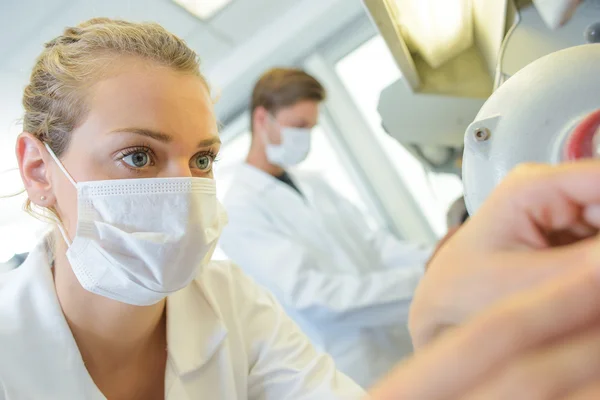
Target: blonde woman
(122,302)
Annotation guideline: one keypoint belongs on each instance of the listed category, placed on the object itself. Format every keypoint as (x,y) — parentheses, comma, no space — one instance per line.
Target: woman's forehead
(157,99)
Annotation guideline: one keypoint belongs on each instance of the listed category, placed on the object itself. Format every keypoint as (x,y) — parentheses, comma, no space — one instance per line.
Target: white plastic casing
(529,117)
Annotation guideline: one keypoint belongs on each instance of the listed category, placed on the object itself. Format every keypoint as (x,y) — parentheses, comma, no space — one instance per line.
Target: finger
(441,243)
(576,182)
(592,215)
(547,374)
(538,198)
(504,274)
(590,392)
(585,228)
(461,358)
(519,270)
(574,233)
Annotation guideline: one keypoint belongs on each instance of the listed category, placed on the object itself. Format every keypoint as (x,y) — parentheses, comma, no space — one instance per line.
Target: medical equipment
(427,115)
(547,113)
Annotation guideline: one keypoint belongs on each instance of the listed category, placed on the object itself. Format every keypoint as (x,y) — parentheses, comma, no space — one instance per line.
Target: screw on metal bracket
(482,134)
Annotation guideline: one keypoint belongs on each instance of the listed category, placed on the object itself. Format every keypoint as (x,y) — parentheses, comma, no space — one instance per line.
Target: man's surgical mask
(293,148)
(140,240)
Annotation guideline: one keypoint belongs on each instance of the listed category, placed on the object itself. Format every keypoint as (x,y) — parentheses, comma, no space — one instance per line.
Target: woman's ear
(31,156)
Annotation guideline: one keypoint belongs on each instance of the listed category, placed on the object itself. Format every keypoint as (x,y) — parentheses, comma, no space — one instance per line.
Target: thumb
(521,269)
(509,273)
(499,275)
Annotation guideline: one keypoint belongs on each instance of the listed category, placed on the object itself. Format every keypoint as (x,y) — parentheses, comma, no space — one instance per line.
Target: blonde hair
(54,99)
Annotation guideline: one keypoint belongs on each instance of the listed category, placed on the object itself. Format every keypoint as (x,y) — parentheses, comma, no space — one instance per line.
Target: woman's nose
(177,169)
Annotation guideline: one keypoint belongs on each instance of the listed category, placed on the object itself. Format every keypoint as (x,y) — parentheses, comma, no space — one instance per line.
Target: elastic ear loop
(70,178)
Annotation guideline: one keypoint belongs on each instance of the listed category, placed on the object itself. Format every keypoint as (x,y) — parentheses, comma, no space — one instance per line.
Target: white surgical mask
(140,240)
(293,149)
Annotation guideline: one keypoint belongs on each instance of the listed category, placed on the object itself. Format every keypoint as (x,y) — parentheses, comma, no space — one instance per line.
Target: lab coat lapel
(261,182)
(307,189)
(56,347)
(279,198)
(194,333)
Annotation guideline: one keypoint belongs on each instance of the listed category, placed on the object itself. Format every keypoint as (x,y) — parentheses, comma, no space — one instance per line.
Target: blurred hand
(441,243)
(536,226)
(542,344)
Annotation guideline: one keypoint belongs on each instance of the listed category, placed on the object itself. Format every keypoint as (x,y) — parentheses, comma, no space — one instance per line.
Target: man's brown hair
(283,87)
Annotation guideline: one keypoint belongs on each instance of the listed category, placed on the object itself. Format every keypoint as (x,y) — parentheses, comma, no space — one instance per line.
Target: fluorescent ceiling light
(203,9)
(438,30)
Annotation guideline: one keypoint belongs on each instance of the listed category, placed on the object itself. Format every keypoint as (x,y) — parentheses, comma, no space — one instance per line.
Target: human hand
(536,226)
(441,243)
(541,344)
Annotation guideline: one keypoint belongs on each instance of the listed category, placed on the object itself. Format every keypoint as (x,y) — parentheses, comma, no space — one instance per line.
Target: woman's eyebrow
(209,142)
(159,136)
(163,137)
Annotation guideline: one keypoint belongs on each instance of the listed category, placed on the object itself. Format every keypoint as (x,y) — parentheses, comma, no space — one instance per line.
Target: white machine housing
(530,118)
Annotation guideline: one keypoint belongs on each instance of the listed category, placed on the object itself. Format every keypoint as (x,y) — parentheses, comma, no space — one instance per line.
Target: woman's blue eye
(204,163)
(139,159)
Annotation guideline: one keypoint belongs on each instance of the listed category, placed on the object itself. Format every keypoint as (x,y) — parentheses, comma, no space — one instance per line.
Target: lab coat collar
(43,313)
(194,330)
(259,180)
(262,183)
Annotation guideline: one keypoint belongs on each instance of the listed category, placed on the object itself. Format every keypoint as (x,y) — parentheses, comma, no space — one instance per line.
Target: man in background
(348,286)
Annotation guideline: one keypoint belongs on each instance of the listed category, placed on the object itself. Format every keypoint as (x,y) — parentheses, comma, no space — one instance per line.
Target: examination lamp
(454,53)
(438,30)
(447,47)
(453,47)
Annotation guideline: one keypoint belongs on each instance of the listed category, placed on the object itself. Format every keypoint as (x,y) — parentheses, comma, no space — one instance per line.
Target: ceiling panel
(235,46)
(51,19)
(243,18)
(210,48)
(287,39)
(22,20)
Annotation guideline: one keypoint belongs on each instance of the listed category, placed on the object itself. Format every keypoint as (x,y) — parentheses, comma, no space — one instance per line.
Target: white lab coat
(347,286)
(227,340)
